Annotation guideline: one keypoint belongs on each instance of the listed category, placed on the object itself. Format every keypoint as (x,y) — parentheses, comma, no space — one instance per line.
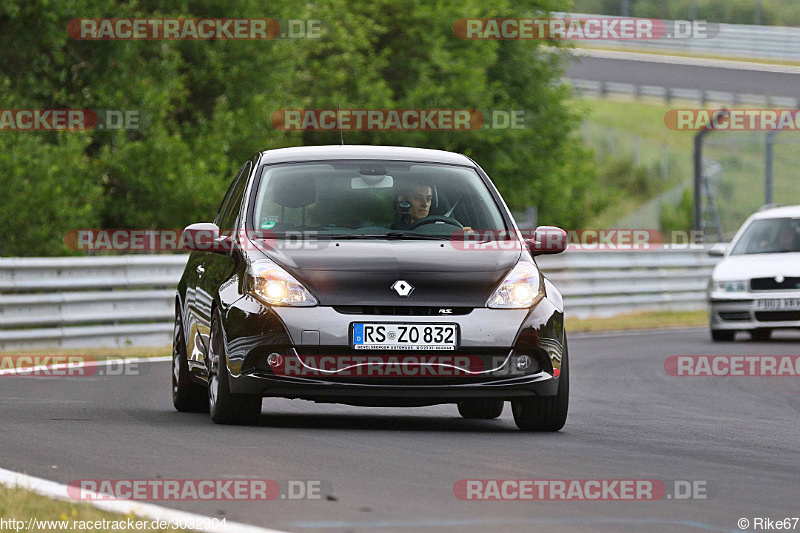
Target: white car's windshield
(770,236)
(372,198)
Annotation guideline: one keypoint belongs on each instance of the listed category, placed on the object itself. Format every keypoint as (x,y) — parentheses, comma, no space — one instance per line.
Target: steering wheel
(435,218)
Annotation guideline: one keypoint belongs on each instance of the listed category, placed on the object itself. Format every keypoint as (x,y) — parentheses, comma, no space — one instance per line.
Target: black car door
(212,268)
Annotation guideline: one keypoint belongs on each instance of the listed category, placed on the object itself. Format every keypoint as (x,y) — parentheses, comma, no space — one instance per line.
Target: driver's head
(419,196)
(786,237)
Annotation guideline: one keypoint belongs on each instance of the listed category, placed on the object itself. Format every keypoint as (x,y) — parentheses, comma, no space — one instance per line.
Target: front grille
(769,284)
(400,310)
(734,315)
(778,316)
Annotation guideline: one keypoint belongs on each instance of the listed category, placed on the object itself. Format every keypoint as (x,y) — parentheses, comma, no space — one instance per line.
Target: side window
(231,210)
(231,187)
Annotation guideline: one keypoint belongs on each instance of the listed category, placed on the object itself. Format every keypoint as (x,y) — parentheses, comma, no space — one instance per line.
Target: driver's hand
(468,229)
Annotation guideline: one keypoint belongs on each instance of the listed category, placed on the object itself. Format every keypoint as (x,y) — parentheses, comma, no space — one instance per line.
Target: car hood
(351,272)
(742,267)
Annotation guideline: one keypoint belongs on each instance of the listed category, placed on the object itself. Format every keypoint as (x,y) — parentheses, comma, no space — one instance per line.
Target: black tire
(761,334)
(187,397)
(545,413)
(722,335)
(480,408)
(224,406)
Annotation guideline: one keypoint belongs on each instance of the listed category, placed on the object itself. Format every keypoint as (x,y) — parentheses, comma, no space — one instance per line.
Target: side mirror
(204,237)
(718,250)
(547,240)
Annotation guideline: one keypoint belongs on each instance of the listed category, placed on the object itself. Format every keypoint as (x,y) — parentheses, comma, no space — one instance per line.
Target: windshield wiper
(419,236)
(387,235)
(334,236)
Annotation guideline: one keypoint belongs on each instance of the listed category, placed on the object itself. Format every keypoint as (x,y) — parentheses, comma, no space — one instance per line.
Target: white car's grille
(773,284)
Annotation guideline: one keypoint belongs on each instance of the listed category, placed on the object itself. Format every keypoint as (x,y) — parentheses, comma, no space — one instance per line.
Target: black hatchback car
(369,275)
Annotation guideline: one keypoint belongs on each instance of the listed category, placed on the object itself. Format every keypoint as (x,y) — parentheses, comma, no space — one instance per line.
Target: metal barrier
(732,40)
(668,94)
(88,301)
(596,284)
(129,300)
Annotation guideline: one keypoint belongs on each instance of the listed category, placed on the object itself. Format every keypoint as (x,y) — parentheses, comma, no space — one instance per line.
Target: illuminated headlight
(273,285)
(729,286)
(522,288)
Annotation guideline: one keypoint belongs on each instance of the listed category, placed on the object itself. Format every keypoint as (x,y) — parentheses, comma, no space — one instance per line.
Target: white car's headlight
(275,286)
(730,286)
(522,288)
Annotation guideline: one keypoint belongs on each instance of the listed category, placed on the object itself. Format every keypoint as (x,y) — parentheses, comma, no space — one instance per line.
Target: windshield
(770,236)
(365,199)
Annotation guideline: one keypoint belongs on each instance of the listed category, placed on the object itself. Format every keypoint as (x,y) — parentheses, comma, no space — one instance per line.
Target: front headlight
(274,286)
(730,286)
(522,288)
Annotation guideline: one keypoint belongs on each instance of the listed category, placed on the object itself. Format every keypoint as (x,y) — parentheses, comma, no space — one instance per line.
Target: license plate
(778,304)
(399,336)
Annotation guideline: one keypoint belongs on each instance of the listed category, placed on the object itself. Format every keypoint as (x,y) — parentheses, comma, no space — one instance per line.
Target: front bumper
(492,338)
(405,395)
(741,312)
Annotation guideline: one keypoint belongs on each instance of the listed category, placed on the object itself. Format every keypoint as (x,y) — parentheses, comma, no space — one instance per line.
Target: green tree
(208,106)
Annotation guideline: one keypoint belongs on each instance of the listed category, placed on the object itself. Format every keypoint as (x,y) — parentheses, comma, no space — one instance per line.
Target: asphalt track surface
(684,76)
(392,469)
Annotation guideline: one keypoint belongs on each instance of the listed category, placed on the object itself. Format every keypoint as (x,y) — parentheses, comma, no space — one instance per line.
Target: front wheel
(224,406)
(481,409)
(545,413)
(187,397)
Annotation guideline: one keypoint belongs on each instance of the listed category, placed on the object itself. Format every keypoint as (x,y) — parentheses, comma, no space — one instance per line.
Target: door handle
(200,269)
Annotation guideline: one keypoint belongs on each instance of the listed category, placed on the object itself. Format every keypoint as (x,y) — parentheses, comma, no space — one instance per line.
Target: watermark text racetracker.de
(197,489)
(125,29)
(733,119)
(467,239)
(176,240)
(733,365)
(394,365)
(71,119)
(584,28)
(596,240)
(68,366)
(580,489)
(398,119)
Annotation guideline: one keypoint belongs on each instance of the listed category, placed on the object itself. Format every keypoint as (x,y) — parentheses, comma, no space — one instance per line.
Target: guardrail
(732,40)
(129,300)
(596,284)
(78,302)
(669,94)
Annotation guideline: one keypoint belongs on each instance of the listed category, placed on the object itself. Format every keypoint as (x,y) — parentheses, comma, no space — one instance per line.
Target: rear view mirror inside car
(372,182)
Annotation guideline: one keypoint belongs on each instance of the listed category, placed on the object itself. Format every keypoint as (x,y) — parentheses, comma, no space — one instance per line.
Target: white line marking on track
(143,510)
(91,362)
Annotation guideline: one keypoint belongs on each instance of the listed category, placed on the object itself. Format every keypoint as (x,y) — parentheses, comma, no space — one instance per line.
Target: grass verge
(739,188)
(645,320)
(23,505)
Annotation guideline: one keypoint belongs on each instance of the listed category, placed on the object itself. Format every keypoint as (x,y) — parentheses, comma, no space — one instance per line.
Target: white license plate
(395,336)
(778,304)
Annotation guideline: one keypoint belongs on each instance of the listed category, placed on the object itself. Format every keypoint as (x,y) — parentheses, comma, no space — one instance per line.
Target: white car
(756,286)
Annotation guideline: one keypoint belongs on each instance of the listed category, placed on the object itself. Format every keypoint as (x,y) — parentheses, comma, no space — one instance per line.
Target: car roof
(391,153)
(789,211)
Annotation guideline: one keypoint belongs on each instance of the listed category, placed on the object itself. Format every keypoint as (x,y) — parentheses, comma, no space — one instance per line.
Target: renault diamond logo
(403,288)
